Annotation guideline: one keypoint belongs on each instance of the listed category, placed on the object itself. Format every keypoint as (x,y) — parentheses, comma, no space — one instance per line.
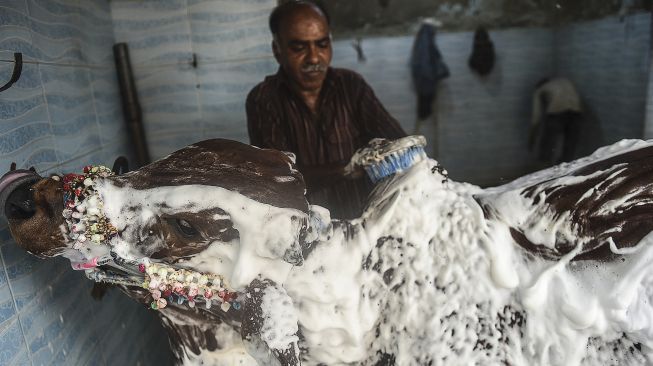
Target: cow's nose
(20,203)
(16,195)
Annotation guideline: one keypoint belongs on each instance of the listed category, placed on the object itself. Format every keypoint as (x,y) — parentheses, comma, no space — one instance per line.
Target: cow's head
(33,207)
(216,199)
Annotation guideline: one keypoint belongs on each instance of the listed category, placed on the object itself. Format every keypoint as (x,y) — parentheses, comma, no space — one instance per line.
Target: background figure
(482,57)
(427,68)
(557,116)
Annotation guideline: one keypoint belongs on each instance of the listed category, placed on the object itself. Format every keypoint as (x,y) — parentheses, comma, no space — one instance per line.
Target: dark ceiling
(395,17)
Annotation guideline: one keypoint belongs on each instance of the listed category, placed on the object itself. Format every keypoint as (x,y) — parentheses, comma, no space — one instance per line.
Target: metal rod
(130,105)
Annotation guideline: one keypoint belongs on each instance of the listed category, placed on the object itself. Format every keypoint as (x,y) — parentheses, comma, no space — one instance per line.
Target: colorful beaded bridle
(86,224)
(85,219)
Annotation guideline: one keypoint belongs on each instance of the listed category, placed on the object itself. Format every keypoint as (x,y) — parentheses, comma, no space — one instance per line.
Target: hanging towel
(427,69)
(482,58)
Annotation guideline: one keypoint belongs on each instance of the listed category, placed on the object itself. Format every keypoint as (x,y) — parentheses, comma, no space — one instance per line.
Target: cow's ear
(120,166)
(291,156)
(316,228)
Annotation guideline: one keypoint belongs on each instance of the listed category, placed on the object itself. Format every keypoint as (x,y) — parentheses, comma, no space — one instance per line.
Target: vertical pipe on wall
(130,106)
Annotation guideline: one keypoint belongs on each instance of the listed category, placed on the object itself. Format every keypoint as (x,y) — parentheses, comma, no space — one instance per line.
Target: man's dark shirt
(348,116)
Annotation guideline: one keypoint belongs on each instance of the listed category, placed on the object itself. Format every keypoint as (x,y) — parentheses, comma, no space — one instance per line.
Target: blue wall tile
(12,345)
(648,128)
(224,88)
(106,95)
(55,32)
(63,113)
(25,133)
(230,29)
(71,109)
(21,359)
(163,144)
(156,31)
(608,60)
(181,104)
(7,308)
(15,32)
(169,98)
(97,32)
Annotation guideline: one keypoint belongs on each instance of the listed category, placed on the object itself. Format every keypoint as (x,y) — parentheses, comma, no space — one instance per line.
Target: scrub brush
(382,158)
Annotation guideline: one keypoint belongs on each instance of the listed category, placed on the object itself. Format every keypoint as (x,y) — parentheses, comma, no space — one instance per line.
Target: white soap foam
(279,329)
(424,278)
(266,232)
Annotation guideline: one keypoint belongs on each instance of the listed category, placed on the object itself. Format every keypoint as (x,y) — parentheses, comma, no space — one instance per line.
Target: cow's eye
(185,228)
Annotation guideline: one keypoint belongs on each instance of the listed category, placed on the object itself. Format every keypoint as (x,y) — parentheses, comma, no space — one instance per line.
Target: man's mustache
(314,68)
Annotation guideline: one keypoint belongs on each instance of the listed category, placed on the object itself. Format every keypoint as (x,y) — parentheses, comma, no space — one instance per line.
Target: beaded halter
(87,225)
(83,208)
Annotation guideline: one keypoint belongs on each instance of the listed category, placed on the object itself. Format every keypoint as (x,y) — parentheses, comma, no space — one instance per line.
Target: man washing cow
(319,113)
(218,237)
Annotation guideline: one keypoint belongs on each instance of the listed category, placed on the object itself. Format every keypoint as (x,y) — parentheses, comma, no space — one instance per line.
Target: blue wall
(648,125)
(480,128)
(63,113)
(648,129)
(182,104)
(608,60)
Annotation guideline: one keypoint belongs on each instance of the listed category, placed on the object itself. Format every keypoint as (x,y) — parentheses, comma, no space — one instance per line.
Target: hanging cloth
(482,58)
(427,68)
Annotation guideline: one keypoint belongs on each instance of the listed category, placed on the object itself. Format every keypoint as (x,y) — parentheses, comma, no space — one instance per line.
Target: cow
(218,239)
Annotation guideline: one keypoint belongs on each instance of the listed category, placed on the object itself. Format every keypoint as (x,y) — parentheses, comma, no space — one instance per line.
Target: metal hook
(358,46)
(15,75)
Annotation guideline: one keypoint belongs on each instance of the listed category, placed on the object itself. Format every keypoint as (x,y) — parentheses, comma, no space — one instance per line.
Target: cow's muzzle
(16,197)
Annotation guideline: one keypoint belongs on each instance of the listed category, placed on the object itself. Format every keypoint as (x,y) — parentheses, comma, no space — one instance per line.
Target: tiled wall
(648,125)
(608,60)
(183,104)
(63,113)
(481,125)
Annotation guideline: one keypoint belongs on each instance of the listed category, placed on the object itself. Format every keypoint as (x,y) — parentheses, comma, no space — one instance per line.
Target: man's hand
(318,176)
(353,172)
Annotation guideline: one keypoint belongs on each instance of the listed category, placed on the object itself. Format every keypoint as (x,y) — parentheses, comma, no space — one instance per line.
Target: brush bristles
(395,162)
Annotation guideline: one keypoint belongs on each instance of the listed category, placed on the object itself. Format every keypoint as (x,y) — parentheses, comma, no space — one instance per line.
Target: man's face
(303,48)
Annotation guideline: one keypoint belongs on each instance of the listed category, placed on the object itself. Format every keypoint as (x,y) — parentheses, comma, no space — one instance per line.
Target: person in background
(557,113)
(320,113)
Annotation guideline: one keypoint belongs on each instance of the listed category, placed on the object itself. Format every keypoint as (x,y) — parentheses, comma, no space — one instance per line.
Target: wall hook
(15,75)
